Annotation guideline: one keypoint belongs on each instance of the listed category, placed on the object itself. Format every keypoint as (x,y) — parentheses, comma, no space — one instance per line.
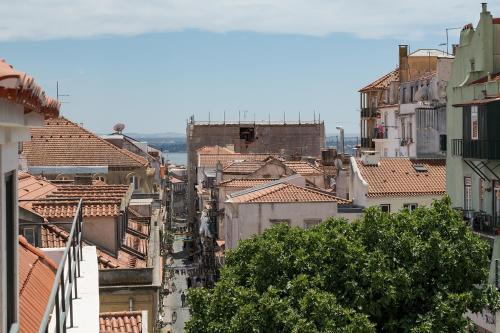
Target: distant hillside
(157,135)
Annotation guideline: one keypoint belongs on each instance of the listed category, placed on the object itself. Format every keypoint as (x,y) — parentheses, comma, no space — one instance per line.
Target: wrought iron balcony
(367,143)
(485,224)
(476,149)
(368,112)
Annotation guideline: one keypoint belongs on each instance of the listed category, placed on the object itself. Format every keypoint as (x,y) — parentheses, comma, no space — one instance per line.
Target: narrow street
(174,312)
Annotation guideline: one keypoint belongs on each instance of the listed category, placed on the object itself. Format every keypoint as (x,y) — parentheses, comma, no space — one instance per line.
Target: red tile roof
(120,322)
(244,183)
(36,277)
(31,187)
(303,168)
(398,177)
(284,192)
(98,200)
(53,236)
(383,82)
(63,143)
(210,160)
(136,244)
(214,150)
(243,167)
(22,89)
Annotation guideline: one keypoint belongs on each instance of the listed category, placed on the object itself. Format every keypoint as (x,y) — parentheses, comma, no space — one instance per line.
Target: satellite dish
(119,128)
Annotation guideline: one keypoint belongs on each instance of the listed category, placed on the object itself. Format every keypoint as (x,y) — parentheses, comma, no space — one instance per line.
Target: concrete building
(421,120)
(473,154)
(65,151)
(23,103)
(252,211)
(403,112)
(140,148)
(379,100)
(394,183)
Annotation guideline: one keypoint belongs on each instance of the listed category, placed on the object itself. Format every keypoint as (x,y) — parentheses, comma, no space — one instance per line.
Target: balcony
(476,149)
(369,113)
(367,143)
(486,224)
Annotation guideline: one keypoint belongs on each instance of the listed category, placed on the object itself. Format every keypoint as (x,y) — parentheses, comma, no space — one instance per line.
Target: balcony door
(496,201)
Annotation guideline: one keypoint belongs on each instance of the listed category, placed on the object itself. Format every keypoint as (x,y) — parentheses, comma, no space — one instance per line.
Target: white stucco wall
(247,219)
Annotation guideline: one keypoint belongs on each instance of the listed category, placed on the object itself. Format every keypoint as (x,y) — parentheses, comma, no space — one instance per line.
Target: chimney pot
(484,5)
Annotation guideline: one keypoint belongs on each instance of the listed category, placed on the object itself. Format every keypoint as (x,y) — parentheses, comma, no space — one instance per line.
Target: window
(496,200)
(410,206)
(247,134)
(481,194)
(309,223)
(403,130)
(403,96)
(411,94)
(467,193)
(278,221)
(385,152)
(474,123)
(410,131)
(442,142)
(134,180)
(386,208)
(11,246)
(29,234)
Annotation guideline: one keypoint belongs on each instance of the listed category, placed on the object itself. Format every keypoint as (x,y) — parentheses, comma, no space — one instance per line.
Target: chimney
(403,63)
(454,48)
(83,179)
(370,157)
(484,6)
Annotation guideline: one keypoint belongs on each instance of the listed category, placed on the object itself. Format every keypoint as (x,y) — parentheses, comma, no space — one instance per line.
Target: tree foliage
(403,272)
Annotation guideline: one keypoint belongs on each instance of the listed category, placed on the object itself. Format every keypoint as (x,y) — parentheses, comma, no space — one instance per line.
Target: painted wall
(248,219)
(477,55)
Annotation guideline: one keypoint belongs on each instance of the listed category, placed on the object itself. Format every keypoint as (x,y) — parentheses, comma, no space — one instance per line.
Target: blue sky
(152,78)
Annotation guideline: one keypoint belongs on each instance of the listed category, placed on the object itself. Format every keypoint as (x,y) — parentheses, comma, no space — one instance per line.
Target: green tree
(403,272)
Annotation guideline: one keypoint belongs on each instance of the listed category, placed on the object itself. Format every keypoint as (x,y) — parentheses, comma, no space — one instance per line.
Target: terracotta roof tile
(120,322)
(31,187)
(136,244)
(303,168)
(284,192)
(398,177)
(382,82)
(244,183)
(53,236)
(98,200)
(243,167)
(22,89)
(63,143)
(214,150)
(210,160)
(36,277)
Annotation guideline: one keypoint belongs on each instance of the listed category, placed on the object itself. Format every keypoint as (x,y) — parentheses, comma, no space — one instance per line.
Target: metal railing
(367,143)
(485,223)
(476,149)
(368,112)
(65,288)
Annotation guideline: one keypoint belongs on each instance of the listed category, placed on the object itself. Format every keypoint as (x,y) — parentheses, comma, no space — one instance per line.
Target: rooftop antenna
(60,95)
(314,115)
(239,116)
(224,117)
(447,39)
(209,118)
(284,119)
(299,118)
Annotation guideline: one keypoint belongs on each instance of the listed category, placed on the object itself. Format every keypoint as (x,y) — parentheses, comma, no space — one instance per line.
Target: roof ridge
(92,134)
(269,190)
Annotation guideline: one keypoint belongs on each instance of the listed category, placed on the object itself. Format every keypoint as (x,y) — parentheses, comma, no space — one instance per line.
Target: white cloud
(45,19)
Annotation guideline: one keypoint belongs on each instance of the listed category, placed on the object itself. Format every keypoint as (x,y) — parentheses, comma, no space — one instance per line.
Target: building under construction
(291,139)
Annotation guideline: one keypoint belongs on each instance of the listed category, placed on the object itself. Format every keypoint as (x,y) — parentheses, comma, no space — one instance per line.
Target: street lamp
(341,129)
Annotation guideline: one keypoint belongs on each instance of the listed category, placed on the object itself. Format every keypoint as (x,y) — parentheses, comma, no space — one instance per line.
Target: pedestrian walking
(183,299)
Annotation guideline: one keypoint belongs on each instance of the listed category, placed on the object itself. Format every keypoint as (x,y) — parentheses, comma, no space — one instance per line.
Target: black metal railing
(65,287)
(476,149)
(367,143)
(485,223)
(368,112)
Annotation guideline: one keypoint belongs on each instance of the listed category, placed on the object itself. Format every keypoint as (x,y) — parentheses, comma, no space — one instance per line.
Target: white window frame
(309,223)
(278,221)
(467,193)
(410,206)
(385,205)
(474,123)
